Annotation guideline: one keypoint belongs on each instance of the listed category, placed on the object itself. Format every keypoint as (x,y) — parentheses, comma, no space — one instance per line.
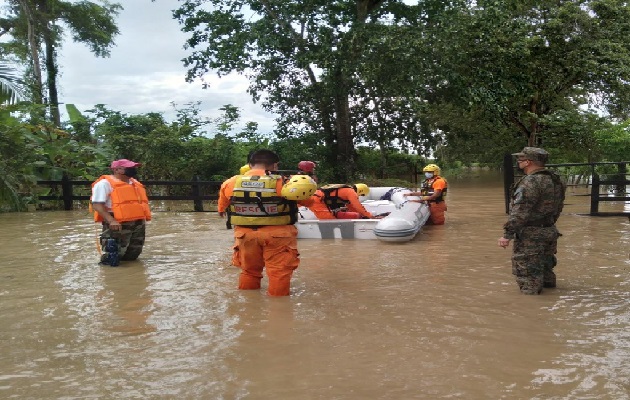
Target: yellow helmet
(362,189)
(299,187)
(431,168)
(244,169)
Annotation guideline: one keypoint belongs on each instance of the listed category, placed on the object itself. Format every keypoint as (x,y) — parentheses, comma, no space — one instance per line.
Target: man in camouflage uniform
(537,201)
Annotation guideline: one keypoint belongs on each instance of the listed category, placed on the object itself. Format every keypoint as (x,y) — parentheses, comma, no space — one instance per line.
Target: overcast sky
(144,72)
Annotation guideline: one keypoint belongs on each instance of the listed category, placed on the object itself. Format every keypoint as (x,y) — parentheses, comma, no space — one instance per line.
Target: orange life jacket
(129,201)
(428,190)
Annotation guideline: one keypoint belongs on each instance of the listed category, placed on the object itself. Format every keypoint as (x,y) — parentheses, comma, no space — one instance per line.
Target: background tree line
(364,87)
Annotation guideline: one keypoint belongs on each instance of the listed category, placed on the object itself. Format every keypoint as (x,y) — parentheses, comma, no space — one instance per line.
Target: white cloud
(144,72)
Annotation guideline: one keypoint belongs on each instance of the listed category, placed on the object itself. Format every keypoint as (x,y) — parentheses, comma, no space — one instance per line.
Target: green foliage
(397,165)
(178,150)
(614,142)
(569,135)
(534,59)
(308,62)
(11,86)
(409,73)
(79,126)
(32,152)
(90,23)
(14,155)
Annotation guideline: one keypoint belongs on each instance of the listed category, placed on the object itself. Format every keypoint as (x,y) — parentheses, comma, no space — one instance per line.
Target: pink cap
(124,163)
(307,166)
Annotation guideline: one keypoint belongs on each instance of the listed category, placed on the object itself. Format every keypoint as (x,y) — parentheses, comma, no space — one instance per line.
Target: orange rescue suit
(321,210)
(129,200)
(437,207)
(273,247)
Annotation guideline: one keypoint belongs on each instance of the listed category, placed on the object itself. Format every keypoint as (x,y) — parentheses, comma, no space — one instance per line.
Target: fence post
(66,191)
(620,189)
(196,192)
(594,194)
(508,179)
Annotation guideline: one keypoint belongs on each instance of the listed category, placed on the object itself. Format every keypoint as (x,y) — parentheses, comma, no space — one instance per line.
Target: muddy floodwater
(439,317)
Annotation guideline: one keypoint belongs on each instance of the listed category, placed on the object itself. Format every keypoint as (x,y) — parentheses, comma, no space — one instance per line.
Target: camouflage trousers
(130,239)
(534,257)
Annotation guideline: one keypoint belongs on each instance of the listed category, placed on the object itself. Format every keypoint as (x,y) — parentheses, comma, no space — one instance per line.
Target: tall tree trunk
(37,89)
(330,134)
(383,159)
(532,140)
(51,71)
(345,142)
(51,63)
(346,157)
(381,143)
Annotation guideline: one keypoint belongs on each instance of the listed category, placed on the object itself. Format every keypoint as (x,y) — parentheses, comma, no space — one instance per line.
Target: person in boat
(307,168)
(339,201)
(263,210)
(433,191)
(537,200)
(120,203)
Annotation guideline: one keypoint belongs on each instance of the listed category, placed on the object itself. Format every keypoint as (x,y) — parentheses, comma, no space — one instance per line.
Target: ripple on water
(438,317)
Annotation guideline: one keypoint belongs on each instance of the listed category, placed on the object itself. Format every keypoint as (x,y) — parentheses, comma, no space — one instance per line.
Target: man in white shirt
(120,202)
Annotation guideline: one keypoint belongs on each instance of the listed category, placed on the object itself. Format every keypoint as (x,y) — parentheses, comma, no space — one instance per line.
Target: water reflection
(438,317)
(128,295)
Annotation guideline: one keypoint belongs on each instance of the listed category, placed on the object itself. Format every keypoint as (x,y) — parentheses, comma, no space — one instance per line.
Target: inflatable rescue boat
(402,222)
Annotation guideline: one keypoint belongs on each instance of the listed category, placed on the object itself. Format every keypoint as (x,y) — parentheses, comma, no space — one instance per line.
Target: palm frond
(11,86)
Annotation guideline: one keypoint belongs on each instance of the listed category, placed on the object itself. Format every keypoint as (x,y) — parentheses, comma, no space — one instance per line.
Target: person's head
(264,159)
(362,189)
(307,166)
(431,170)
(531,158)
(125,167)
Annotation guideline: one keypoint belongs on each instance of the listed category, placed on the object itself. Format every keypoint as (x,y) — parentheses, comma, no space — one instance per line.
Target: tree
(614,141)
(304,59)
(520,62)
(177,150)
(37,27)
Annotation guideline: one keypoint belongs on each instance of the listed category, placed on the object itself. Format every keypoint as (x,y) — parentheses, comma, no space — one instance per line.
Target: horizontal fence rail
(196,191)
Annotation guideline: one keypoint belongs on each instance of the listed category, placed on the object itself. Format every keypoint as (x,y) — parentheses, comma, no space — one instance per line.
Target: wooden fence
(619,180)
(197,188)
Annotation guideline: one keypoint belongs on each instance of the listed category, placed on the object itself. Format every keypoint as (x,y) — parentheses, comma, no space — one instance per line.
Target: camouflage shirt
(537,200)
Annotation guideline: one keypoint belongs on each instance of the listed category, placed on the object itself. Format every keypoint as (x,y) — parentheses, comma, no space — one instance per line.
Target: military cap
(533,153)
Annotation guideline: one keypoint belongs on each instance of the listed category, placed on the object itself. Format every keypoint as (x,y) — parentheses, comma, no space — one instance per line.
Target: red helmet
(306,166)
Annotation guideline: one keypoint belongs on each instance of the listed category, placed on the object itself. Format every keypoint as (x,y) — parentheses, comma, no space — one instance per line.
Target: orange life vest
(428,190)
(129,201)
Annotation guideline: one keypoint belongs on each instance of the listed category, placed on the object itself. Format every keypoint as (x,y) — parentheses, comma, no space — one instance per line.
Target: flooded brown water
(437,317)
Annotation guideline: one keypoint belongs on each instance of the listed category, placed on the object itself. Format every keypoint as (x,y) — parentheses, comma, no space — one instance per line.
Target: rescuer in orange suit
(263,212)
(433,192)
(339,201)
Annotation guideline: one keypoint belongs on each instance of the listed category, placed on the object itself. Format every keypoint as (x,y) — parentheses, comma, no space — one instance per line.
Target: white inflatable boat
(404,221)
